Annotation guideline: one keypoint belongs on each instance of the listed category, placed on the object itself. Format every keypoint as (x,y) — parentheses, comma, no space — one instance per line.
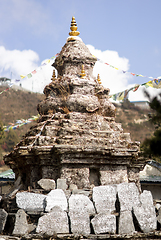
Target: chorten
(76,137)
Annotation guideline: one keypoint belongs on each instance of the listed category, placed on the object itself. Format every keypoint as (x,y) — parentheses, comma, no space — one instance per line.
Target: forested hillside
(16,104)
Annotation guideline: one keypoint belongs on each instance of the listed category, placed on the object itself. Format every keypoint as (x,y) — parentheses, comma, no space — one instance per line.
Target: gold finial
(98,79)
(53,76)
(83,72)
(73,28)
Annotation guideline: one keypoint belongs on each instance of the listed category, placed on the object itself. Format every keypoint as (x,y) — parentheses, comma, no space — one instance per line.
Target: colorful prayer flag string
(154,83)
(29,75)
(20,123)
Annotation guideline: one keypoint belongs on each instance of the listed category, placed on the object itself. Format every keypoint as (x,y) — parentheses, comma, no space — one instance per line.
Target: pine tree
(152,146)
(11,139)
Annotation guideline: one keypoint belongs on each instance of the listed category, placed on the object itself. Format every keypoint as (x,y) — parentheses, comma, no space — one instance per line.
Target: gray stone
(146,198)
(61,184)
(30,201)
(113,174)
(145,214)
(159,216)
(126,225)
(80,210)
(31,227)
(53,222)
(21,224)
(17,183)
(73,187)
(104,223)
(79,203)
(80,191)
(128,195)
(14,191)
(78,176)
(80,223)
(47,184)
(3,218)
(56,198)
(104,198)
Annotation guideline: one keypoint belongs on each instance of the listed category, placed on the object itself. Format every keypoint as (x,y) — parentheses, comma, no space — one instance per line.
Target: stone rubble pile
(113,209)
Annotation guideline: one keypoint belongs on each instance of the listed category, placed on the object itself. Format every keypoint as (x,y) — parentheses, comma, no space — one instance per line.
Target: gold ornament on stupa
(98,79)
(53,76)
(82,72)
(73,28)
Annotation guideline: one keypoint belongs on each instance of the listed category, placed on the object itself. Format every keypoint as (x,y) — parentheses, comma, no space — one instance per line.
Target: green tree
(1,131)
(152,146)
(11,139)
(1,142)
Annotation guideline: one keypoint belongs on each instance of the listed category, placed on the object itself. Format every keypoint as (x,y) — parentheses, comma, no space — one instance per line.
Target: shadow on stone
(136,223)
(117,206)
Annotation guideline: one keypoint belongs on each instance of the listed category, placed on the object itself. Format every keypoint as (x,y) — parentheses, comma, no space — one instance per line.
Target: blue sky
(128,32)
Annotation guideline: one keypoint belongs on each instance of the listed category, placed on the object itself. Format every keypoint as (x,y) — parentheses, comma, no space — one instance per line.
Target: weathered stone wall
(117,210)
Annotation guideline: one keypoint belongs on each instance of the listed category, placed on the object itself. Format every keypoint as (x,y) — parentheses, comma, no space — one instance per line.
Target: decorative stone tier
(86,149)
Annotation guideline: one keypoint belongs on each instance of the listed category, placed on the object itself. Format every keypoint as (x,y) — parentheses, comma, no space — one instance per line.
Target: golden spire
(83,72)
(98,79)
(73,28)
(53,76)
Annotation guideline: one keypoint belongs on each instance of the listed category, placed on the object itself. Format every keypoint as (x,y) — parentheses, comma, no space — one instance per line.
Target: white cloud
(17,62)
(24,62)
(116,80)
(111,78)
(39,80)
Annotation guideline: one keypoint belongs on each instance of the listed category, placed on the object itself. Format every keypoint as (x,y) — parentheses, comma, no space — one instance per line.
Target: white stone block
(30,201)
(21,225)
(47,184)
(128,195)
(55,222)
(79,203)
(104,223)
(80,210)
(126,225)
(56,198)
(145,214)
(104,198)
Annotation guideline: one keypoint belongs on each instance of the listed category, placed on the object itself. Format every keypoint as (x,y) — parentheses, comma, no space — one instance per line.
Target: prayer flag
(136,88)
(133,74)
(22,76)
(126,93)
(150,84)
(29,75)
(33,72)
(120,96)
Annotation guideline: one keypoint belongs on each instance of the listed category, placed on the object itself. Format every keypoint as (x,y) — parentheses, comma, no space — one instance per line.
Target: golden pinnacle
(53,76)
(73,28)
(98,79)
(83,72)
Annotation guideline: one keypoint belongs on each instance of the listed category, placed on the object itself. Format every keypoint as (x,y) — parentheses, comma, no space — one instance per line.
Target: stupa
(76,137)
